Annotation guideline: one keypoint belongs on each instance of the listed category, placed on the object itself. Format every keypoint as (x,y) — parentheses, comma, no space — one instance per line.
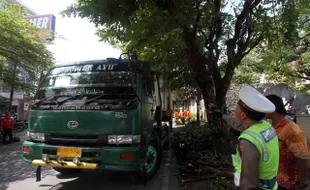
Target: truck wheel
(153,155)
(153,158)
(67,171)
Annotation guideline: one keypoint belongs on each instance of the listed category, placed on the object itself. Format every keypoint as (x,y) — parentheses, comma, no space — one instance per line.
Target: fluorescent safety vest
(265,139)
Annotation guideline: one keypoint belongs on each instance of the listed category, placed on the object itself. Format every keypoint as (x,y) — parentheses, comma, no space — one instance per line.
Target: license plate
(69,152)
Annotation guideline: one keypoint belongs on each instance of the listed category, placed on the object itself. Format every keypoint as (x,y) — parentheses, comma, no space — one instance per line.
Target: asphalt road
(17,175)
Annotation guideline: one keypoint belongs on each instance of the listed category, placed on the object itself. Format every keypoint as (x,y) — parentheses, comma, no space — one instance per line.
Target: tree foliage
(20,46)
(208,38)
(287,58)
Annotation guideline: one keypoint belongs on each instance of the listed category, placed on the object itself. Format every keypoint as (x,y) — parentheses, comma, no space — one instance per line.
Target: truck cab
(97,115)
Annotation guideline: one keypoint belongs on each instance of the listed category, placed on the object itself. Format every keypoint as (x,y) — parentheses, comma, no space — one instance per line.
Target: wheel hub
(151,158)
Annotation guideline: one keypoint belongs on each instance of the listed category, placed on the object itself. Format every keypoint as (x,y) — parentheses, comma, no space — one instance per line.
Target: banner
(46,23)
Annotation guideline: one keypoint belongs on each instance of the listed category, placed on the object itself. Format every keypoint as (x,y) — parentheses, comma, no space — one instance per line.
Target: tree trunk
(159,122)
(198,110)
(219,131)
(207,76)
(11,97)
(12,87)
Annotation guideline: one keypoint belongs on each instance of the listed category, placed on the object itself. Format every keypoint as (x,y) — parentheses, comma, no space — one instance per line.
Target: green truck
(100,115)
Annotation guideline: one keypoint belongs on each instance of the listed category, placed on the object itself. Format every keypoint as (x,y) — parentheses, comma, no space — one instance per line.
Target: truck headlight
(36,136)
(123,139)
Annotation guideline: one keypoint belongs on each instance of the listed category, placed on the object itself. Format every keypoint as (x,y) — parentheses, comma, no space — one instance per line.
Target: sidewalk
(170,180)
(22,135)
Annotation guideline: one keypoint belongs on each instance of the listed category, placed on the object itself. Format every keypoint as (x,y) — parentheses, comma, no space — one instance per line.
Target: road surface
(17,175)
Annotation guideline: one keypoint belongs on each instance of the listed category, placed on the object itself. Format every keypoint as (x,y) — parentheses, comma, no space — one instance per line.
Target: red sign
(44,22)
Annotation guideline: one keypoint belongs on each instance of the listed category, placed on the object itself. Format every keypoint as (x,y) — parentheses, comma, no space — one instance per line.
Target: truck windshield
(86,87)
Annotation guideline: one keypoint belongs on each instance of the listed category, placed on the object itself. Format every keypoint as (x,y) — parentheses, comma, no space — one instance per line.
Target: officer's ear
(243,116)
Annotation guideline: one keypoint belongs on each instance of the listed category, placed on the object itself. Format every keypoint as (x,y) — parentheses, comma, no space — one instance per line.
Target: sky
(81,42)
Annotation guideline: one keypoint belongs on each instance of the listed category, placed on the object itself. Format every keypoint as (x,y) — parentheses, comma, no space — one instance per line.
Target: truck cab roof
(107,60)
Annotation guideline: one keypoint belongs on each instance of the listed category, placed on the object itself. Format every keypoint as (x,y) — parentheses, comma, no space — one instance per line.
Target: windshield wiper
(43,99)
(56,102)
(93,99)
(69,98)
(130,102)
(102,95)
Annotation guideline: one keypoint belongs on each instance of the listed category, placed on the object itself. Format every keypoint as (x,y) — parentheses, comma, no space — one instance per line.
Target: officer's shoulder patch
(269,134)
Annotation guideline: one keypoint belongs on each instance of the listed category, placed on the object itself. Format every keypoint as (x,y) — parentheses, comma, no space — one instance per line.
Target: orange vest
(188,114)
(184,114)
(176,115)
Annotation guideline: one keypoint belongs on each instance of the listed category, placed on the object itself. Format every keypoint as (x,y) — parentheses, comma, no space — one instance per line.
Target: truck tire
(154,155)
(67,171)
(154,151)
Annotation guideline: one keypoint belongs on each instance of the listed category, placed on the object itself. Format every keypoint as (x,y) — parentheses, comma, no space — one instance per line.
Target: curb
(166,172)
(169,179)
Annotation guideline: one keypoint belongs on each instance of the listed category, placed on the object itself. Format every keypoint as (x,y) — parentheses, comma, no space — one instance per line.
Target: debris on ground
(198,167)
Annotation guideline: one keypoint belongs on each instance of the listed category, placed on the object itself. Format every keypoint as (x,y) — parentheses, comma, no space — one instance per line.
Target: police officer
(257,156)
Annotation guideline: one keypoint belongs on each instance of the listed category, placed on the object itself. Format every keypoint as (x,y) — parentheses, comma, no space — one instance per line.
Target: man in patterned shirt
(294,154)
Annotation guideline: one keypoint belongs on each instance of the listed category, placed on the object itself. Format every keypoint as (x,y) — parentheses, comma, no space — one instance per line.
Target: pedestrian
(294,153)
(256,159)
(188,114)
(176,115)
(184,113)
(7,124)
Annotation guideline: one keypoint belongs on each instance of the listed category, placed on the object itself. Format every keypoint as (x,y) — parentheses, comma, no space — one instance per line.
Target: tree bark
(203,68)
(12,87)
(198,110)
(159,121)
(11,97)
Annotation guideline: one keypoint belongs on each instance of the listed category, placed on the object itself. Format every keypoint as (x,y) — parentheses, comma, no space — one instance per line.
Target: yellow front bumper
(55,164)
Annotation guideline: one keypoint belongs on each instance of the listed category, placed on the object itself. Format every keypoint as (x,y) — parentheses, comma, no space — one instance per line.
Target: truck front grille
(81,137)
(77,140)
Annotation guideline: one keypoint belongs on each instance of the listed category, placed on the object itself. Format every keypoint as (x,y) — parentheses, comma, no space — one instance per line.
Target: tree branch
(243,25)
(305,21)
(196,25)
(253,45)
(302,77)
(305,36)
(211,41)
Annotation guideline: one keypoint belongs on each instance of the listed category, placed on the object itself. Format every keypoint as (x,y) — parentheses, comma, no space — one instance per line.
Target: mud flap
(143,174)
(38,173)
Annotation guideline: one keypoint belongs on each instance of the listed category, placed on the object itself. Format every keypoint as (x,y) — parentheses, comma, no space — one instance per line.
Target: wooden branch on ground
(228,185)
(300,75)
(215,164)
(228,175)
(206,170)
(199,179)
